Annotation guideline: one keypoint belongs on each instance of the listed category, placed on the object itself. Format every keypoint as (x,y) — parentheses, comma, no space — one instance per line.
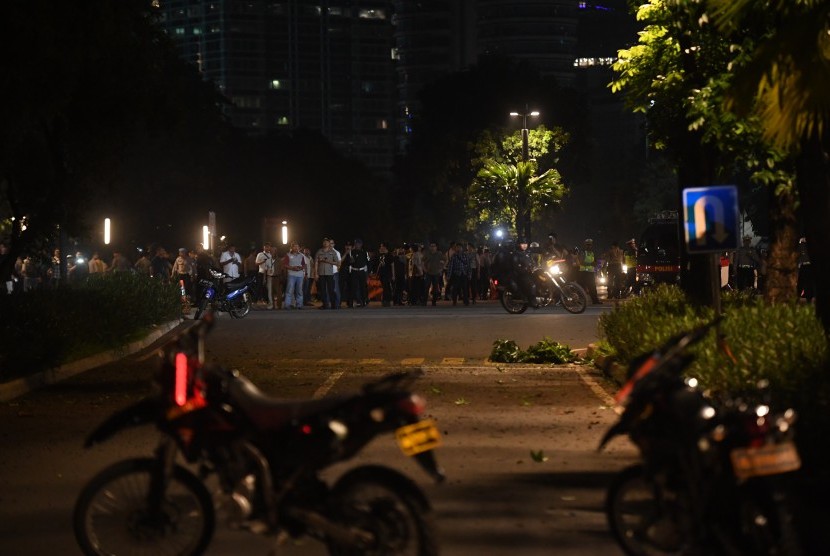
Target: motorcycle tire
(574,298)
(643,517)
(766,514)
(239,308)
(203,305)
(111,517)
(388,506)
(511,304)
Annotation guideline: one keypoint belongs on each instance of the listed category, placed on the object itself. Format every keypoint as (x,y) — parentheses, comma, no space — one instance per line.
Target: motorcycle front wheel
(240,307)
(574,298)
(643,517)
(389,507)
(112,516)
(511,304)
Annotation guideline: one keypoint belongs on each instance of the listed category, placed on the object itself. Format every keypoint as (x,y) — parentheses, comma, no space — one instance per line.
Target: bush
(47,328)
(544,351)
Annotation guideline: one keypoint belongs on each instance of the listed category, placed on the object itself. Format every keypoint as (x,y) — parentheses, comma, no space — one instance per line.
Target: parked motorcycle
(711,477)
(267,455)
(551,287)
(232,297)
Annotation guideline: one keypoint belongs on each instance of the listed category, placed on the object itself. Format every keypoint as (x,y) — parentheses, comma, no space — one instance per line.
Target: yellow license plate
(765,460)
(418,437)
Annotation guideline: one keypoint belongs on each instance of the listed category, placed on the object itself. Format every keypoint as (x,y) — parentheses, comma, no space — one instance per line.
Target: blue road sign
(710,218)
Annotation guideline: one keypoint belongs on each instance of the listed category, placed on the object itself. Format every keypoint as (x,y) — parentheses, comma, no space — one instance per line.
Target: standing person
(310,277)
(434,263)
(399,276)
(337,272)
(553,249)
(484,273)
(806,285)
(265,274)
(458,274)
(96,265)
(359,269)
(120,263)
(386,273)
(231,263)
(55,269)
(294,263)
(746,262)
(614,259)
(6,270)
(475,271)
(183,269)
(417,296)
(143,266)
(344,278)
(327,261)
(160,264)
(587,271)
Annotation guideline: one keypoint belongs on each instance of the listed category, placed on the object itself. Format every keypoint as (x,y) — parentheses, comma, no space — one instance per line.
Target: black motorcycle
(711,477)
(232,297)
(267,455)
(551,288)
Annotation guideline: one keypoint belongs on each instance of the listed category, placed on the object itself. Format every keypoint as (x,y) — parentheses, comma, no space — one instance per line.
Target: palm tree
(787,83)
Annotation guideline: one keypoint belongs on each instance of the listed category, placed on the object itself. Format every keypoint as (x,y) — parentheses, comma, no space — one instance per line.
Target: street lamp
(107,231)
(523,220)
(206,238)
(284,232)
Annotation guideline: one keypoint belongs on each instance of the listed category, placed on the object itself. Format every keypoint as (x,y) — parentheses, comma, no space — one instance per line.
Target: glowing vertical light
(205,237)
(180,391)
(284,232)
(107,230)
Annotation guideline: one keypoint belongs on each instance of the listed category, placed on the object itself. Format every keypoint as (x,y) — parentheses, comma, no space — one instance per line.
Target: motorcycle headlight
(625,268)
(602,279)
(554,270)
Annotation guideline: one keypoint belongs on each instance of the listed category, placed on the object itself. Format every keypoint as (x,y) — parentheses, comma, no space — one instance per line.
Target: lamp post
(523,214)
(107,231)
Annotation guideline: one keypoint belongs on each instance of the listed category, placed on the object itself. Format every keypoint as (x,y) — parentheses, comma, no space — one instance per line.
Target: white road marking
(326,386)
(596,388)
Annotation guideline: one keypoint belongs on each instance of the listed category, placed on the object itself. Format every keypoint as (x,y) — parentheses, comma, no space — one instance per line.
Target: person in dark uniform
(522,268)
(359,269)
(385,265)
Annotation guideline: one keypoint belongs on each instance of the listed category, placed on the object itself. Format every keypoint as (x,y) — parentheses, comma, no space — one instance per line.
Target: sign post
(711,223)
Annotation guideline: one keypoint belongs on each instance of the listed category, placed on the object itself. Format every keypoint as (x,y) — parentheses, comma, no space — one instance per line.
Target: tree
(508,189)
(785,84)
(678,75)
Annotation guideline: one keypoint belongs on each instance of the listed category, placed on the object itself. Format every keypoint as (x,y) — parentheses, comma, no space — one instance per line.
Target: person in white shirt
(265,260)
(295,267)
(231,262)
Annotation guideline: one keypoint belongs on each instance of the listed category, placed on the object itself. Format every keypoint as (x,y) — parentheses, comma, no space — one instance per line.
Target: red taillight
(413,405)
(180,390)
(756,429)
(495,282)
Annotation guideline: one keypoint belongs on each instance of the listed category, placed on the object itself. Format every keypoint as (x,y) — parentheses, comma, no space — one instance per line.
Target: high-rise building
(291,64)
(432,39)
(541,32)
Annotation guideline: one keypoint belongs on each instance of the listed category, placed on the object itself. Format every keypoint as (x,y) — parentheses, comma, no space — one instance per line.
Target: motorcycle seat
(236,283)
(267,413)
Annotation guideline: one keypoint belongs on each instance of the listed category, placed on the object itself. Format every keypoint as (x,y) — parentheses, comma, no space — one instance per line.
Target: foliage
(544,351)
(46,328)
(783,343)
(507,189)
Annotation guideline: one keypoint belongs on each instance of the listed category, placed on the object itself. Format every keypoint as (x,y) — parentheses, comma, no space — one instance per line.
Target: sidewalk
(18,387)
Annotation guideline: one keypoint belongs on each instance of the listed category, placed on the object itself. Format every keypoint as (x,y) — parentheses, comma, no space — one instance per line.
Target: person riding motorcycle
(521,271)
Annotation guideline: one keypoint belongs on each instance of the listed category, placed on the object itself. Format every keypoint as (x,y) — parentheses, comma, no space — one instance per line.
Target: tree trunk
(782,259)
(813,178)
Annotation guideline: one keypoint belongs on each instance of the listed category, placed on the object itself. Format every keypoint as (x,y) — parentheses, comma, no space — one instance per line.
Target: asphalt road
(497,499)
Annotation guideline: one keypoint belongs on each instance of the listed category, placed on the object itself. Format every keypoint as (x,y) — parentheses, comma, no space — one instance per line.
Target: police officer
(587,271)
(522,267)
(746,262)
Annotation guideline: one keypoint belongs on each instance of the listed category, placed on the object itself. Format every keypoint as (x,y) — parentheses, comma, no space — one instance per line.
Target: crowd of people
(335,277)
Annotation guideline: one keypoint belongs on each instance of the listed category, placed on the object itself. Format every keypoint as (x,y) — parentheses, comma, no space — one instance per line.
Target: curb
(610,368)
(20,386)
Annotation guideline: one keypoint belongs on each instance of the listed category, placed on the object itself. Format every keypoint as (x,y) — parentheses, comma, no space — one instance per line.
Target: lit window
(179,30)
(372,14)
(275,84)
(383,124)
(282,120)
(395,55)
(197,31)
